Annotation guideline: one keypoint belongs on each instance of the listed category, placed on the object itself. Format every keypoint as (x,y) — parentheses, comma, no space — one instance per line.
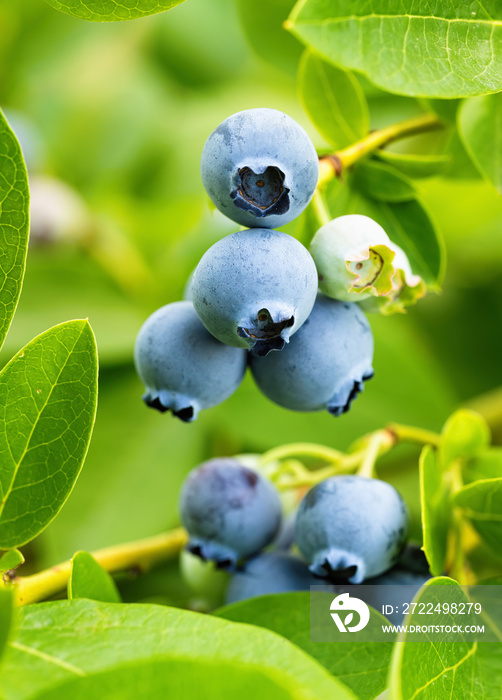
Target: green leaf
(89,580)
(414,164)
(485,465)
(481,502)
(464,435)
(288,614)
(437,669)
(48,395)
(405,47)
(175,678)
(14,224)
(436,513)
(6,616)
(112,10)
(57,641)
(334,101)
(383,183)
(11,560)
(480,128)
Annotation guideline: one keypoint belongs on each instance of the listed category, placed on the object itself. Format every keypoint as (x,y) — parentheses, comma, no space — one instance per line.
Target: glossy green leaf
(288,614)
(383,183)
(436,513)
(48,395)
(415,165)
(481,502)
(58,641)
(6,616)
(11,560)
(480,128)
(14,224)
(89,580)
(451,50)
(334,101)
(437,669)
(176,678)
(485,465)
(112,10)
(464,435)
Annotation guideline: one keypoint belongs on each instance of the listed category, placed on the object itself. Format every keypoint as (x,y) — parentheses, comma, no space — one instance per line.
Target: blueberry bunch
(254,295)
(348,529)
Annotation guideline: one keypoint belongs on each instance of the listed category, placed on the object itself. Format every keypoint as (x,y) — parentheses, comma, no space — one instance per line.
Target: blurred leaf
(74,286)
(48,394)
(480,128)
(440,669)
(393,42)
(414,164)
(288,614)
(14,216)
(89,580)
(481,502)
(464,435)
(334,101)
(434,494)
(55,641)
(263,25)
(6,616)
(112,10)
(175,678)
(11,560)
(382,182)
(485,465)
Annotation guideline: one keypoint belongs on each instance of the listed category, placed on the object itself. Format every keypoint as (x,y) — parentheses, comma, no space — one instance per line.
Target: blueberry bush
(250,210)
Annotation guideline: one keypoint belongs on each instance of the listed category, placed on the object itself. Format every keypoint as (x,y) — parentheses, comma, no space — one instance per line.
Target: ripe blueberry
(230,511)
(183,368)
(351,527)
(325,364)
(268,573)
(260,168)
(254,289)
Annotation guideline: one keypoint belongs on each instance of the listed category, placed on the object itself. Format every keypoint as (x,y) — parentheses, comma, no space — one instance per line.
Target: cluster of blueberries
(253,298)
(348,529)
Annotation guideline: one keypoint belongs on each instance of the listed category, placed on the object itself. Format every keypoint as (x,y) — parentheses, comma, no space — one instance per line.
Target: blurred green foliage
(120,113)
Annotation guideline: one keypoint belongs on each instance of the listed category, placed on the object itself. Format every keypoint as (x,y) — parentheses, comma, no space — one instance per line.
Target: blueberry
(254,289)
(357,261)
(351,527)
(260,168)
(269,573)
(230,511)
(325,364)
(183,368)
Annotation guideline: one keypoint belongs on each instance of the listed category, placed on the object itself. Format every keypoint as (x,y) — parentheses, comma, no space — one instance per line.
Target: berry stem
(305,449)
(333,165)
(408,433)
(378,443)
(141,554)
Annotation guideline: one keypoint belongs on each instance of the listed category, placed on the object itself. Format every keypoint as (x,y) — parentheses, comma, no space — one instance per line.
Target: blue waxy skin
(183,368)
(325,365)
(254,289)
(351,527)
(230,511)
(268,573)
(260,168)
